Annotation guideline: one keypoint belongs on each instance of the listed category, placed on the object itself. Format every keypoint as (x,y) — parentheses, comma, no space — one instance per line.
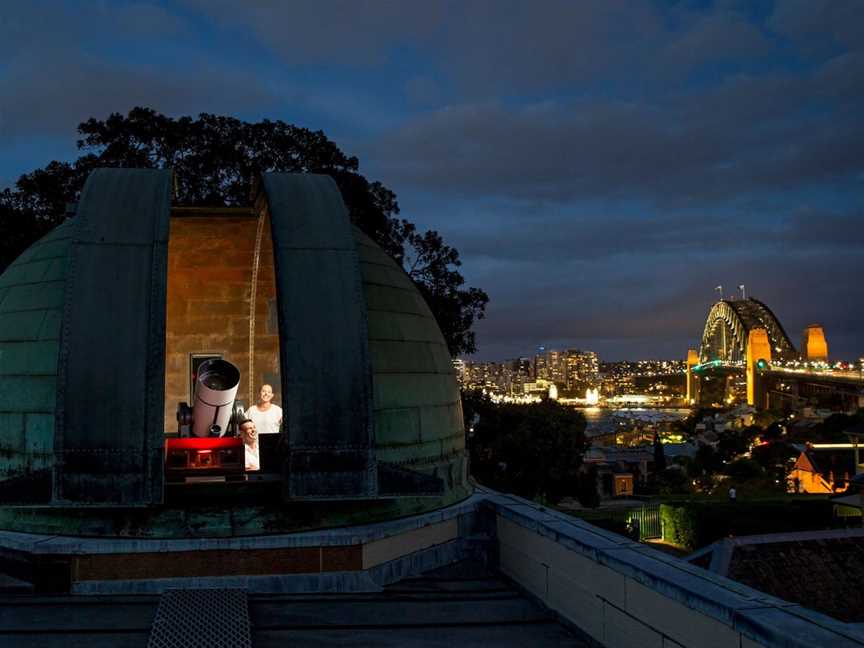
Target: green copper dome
(417,407)
(57,447)
(31,316)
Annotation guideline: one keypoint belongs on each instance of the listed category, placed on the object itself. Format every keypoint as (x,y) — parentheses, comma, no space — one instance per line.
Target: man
(250,441)
(266,414)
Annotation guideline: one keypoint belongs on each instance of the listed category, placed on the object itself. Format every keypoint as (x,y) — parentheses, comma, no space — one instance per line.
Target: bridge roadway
(845,377)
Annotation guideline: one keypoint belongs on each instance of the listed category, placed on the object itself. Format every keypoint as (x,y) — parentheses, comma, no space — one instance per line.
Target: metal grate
(202,618)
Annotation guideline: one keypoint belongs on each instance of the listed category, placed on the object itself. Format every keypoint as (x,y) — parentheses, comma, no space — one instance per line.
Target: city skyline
(567,345)
(600,166)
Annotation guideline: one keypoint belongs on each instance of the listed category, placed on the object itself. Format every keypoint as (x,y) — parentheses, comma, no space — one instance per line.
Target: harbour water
(602,420)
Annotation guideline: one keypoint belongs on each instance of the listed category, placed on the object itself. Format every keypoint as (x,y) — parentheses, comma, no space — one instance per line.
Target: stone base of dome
(216,516)
(349,558)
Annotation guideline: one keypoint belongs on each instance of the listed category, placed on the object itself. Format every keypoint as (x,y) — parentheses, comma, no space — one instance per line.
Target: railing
(646,517)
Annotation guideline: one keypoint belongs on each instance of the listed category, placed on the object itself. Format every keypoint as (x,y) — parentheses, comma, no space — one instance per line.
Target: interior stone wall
(266,360)
(210,272)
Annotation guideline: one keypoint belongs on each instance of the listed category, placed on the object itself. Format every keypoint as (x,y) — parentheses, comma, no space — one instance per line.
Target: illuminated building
(582,369)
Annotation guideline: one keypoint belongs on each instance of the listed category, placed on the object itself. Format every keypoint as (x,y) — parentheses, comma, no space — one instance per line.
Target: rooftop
(493,569)
(462,604)
(822,570)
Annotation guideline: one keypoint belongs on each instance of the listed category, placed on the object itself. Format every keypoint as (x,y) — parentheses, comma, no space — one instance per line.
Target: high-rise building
(461,371)
(557,363)
(541,364)
(582,369)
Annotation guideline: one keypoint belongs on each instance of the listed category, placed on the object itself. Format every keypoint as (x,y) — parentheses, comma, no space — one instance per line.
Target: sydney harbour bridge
(743,338)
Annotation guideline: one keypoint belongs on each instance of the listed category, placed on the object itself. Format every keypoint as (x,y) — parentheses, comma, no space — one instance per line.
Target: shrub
(692,525)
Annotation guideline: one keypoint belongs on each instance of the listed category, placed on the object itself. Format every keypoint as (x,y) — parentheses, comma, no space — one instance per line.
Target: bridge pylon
(814,347)
(692,361)
(758,349)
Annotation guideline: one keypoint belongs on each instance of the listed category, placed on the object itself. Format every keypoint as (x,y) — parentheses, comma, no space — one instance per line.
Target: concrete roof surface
(463,604)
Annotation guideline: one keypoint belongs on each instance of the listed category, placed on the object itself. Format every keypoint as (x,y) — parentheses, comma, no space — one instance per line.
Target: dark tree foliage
(659,455)
(532,450)
(586,487)
(744,469)
(775,458)
(674,480)
(216,160)
(831,430)
(734,443)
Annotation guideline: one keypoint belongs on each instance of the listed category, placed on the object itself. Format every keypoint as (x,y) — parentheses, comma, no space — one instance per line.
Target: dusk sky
(600,166)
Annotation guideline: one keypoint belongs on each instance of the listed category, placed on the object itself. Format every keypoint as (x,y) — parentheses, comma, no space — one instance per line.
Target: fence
(650,527)
(621,520)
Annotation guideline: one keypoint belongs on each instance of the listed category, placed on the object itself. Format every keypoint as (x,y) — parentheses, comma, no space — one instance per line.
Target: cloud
(57,75)
(723,36)
(423,90)
(697,151)
(765,130)
(590,233)
(601,165)
(347,32)
(658,306)
(86,88)
(499,47)
(816,26)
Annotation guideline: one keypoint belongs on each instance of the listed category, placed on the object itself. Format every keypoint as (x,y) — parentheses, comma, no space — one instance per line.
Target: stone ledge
(57,564)
(757,616)
(353,535)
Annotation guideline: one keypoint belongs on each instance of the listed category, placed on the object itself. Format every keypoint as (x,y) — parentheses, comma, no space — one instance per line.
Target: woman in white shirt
(266,415)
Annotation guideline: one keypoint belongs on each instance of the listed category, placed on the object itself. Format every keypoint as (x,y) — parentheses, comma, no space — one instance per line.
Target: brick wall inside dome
(210,290)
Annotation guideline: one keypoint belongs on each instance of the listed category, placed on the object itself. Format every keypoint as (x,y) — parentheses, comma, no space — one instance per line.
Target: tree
(704,466)
(673,481)
(217,161)
(831,430)
(775,458)
(659,455)
(734,443)
(586,487)
(531,450)
(744,469)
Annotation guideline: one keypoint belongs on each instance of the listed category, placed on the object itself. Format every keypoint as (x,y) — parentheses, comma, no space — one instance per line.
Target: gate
(649,521)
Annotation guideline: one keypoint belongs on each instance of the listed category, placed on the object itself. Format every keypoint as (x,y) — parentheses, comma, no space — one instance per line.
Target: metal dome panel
(418,409)
(324,357)
(108,431)
(31,307)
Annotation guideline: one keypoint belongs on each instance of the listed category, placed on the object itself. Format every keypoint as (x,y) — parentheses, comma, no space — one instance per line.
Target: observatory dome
(103,322)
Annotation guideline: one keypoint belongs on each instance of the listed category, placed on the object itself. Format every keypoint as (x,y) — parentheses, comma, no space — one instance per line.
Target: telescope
(214,410)
(209,454)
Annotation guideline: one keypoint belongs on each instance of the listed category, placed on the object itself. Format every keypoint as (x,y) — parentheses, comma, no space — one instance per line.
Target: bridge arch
(730,322)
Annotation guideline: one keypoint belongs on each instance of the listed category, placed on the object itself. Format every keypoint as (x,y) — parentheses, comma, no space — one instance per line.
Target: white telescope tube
(215,390)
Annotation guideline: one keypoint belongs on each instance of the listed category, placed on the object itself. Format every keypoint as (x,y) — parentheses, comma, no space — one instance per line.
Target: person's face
(248,432)
(266,393)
